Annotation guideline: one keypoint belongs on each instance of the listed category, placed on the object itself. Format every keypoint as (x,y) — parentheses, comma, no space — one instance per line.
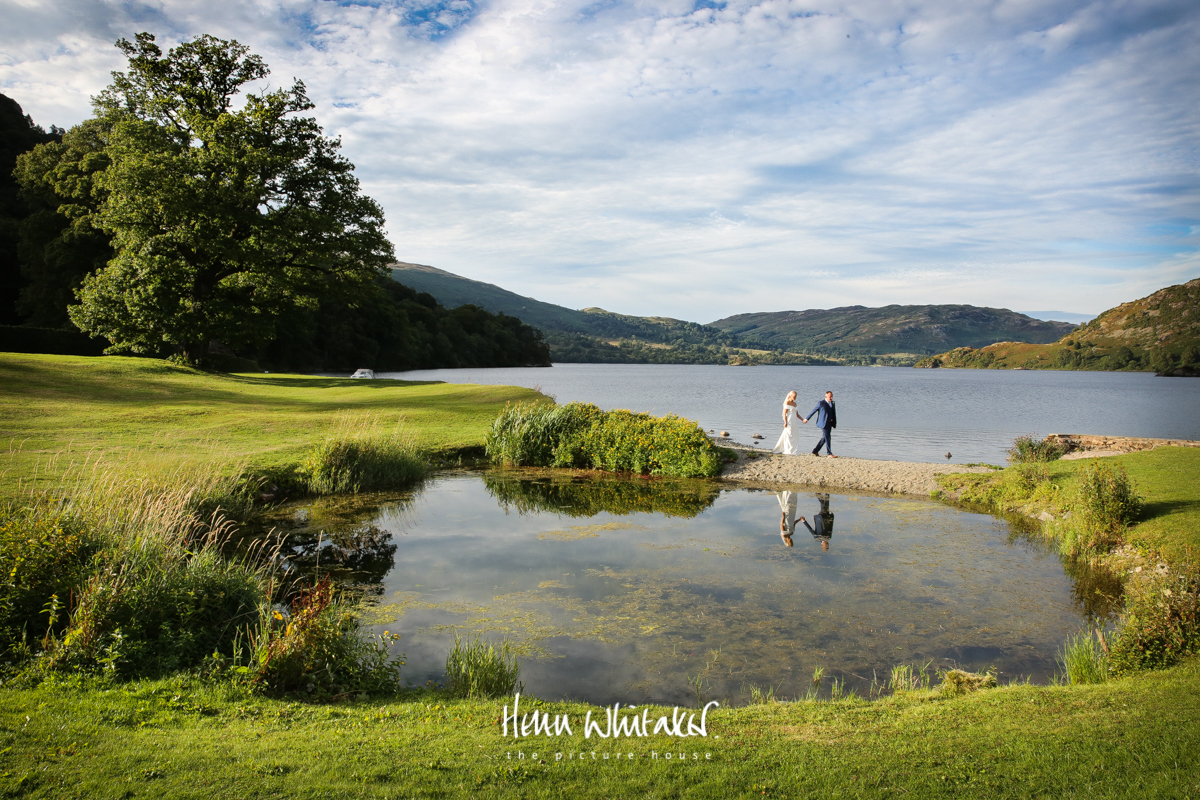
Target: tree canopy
(220,217)
(18,133)
(181,220)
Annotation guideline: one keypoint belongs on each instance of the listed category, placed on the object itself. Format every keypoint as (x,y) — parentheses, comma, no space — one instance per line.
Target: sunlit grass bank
(1135,518)
(59,410)
(1168,480)
(1137,737)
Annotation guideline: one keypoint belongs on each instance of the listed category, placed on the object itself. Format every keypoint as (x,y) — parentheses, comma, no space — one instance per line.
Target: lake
(892,413)
(637,590)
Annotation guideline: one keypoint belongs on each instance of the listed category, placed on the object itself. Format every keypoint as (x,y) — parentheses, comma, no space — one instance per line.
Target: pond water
(887,413)
(634,590)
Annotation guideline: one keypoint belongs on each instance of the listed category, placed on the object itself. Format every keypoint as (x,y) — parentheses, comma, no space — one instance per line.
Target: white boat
(363,373)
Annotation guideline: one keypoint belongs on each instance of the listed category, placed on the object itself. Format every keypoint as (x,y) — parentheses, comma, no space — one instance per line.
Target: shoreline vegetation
(148,653)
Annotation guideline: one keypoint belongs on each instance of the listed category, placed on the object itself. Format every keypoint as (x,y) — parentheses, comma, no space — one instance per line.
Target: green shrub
(1083,660)
(1028,450)
(320,648)
(580,435)
(154,612)
(480,669)
(1162,623)
(360,457)
(44,563)
(1106,502)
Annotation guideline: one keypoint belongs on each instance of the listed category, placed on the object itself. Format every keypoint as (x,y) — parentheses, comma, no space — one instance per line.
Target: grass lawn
(1137,738)
(58,409)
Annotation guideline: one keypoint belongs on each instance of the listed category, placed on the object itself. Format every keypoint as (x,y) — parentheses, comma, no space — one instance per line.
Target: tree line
(190,220)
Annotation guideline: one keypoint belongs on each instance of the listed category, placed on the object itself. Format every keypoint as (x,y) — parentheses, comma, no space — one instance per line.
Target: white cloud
(658,158)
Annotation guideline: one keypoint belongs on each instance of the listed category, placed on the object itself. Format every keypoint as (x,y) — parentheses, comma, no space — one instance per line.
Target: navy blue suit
(826,414)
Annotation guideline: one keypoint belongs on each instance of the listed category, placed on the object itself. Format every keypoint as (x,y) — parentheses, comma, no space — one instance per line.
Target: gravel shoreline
(760,466)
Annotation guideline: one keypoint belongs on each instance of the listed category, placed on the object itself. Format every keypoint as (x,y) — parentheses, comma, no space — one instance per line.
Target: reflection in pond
(643,590)
(787,515)
(1097,591)
(823,522)
(585,495)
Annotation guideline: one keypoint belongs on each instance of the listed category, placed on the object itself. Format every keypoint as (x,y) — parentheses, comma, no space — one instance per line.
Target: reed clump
(581,436)
(959,681)
(481,669)
(363,454)
(1083,659)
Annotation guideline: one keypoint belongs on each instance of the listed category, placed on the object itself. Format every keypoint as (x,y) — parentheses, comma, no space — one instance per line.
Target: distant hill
(1160,332)
(593,334)
(918,330)
(453,290)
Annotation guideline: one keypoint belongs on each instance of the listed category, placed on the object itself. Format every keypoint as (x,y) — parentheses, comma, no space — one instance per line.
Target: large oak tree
(222,215)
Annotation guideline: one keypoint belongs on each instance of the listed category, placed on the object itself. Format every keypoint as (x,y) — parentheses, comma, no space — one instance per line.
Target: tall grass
(363,454)
(129,576)
(580,435)
(475,668)
(1083,660)
(530,434)
(131,570)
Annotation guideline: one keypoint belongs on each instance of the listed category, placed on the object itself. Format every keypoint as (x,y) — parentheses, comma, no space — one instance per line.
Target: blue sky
(698,159)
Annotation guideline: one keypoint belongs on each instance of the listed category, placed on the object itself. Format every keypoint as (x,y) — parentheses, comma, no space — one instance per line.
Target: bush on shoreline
(1028,449)
(581,436)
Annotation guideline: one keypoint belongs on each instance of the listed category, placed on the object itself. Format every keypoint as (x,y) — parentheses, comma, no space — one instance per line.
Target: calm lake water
(887,413)
(635,590)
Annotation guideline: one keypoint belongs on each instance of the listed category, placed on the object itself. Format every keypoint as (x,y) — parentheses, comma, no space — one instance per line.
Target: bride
(789,440)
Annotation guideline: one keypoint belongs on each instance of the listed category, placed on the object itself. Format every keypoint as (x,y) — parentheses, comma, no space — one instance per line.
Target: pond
(636,590)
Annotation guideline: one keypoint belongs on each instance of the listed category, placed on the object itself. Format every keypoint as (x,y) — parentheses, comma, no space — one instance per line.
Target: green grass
(56,411)
(1168,479)
(1136,737)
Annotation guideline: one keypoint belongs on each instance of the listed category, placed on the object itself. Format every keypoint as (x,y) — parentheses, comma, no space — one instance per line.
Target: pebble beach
(760,466)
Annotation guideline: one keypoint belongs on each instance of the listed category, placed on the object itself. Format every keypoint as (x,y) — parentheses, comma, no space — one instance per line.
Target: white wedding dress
(787,504)
(789,440)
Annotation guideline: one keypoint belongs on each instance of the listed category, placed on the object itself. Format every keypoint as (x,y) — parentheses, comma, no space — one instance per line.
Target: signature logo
(619,722)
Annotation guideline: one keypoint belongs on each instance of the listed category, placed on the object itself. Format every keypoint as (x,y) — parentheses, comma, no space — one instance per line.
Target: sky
(703,158)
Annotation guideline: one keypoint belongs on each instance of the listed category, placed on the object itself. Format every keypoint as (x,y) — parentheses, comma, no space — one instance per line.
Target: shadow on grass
(1164,508)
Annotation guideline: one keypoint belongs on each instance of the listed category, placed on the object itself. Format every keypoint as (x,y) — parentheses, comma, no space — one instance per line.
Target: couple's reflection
(822,527)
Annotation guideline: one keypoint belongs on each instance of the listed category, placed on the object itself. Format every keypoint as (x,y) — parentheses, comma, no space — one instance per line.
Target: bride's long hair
(791,396)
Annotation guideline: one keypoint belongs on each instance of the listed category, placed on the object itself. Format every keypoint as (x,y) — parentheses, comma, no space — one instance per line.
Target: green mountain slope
(1159,332)
(593,334)
(891,329)
(452,291)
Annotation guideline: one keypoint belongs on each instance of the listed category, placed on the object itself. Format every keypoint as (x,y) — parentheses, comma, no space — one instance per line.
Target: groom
(826,415)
